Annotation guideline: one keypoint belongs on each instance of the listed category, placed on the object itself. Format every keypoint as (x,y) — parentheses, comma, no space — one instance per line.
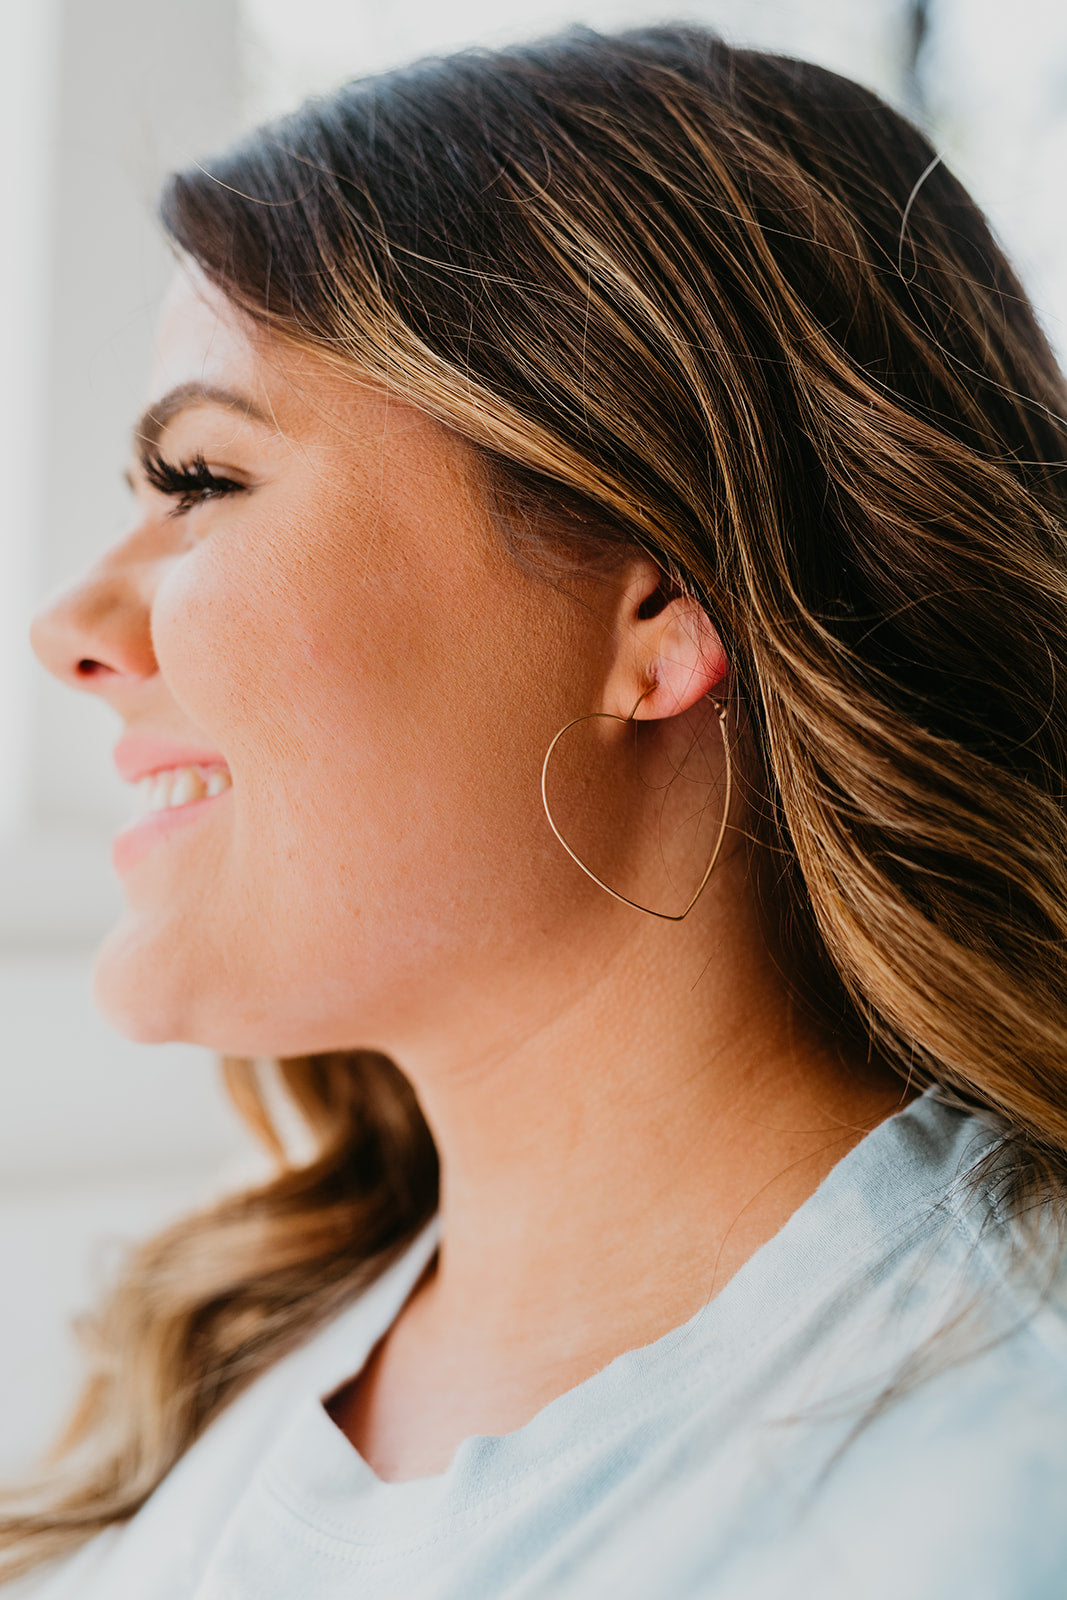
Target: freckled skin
(382,681)
(625,1108)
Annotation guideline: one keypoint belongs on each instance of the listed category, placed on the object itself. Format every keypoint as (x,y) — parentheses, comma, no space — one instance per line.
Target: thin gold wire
(667,916)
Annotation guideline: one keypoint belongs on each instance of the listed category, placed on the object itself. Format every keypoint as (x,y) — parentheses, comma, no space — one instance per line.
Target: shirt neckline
(886,1185)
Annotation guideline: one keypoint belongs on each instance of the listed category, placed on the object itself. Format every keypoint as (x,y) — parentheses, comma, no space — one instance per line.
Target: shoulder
(914,1416)
(955,1481)
(957,1488)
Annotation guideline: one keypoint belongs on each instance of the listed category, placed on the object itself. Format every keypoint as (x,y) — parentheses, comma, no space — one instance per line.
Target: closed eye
(188,483)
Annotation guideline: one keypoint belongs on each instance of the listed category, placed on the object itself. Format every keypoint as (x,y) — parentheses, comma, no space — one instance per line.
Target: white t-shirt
(740,1457)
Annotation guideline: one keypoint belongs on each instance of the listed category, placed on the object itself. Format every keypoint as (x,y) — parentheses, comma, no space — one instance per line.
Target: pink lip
(138,755)
(134,841)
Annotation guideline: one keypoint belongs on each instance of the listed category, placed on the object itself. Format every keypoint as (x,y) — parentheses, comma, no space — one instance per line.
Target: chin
(151,998)
(144,991)
(128,1001)
(155,982)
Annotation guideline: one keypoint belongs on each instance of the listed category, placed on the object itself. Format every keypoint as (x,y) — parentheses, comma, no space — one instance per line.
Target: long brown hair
(731,309)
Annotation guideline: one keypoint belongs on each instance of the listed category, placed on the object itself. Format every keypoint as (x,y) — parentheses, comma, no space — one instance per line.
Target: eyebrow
(156,417)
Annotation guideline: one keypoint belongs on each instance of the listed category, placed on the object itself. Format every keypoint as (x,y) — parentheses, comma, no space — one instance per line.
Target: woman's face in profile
(322,611)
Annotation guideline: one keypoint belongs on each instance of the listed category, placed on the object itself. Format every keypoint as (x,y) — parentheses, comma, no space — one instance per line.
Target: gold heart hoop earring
(667,916)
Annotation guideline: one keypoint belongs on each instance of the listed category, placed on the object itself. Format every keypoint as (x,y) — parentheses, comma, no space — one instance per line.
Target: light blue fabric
(741,1457)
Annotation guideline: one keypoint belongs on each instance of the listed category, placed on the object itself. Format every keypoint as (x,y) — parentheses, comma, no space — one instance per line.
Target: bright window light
(26,53)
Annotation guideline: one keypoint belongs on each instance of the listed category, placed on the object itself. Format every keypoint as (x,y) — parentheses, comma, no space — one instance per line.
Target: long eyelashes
(188,483)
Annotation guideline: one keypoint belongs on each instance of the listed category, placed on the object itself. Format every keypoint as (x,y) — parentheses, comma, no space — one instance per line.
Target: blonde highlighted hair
(729,308)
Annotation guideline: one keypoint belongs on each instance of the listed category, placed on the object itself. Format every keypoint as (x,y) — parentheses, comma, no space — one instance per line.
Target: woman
(593,636)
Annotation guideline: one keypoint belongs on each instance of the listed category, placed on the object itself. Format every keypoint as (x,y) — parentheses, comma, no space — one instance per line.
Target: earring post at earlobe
(642,696)
(611,716)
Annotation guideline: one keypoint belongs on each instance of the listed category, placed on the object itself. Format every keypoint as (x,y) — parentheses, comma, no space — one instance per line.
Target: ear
(667,645)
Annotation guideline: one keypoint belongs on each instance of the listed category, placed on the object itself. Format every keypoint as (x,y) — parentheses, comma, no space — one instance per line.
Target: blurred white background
(101,1139)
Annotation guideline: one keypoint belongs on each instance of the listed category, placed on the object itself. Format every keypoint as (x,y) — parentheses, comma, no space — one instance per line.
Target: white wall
(995,79)
(27,98)
(296,50)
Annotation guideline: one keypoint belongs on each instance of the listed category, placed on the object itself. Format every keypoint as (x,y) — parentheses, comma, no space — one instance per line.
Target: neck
(617,1136)
(616,1144)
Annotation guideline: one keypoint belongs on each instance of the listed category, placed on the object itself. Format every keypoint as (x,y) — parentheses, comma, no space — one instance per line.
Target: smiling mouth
(169,800)
(174,787)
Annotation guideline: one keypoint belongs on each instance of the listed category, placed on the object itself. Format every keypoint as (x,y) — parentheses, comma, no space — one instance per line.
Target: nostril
(87,668)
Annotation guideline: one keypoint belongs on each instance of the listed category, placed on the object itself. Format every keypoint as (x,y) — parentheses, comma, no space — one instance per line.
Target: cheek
(385,836)
(382,731)
(228,634)
(333,690)
(263,644)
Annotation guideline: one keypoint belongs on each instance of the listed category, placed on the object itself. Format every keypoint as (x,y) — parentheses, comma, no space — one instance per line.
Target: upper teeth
(179,786)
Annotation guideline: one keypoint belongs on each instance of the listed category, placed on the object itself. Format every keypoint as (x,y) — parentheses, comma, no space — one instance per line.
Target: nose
(96,633)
